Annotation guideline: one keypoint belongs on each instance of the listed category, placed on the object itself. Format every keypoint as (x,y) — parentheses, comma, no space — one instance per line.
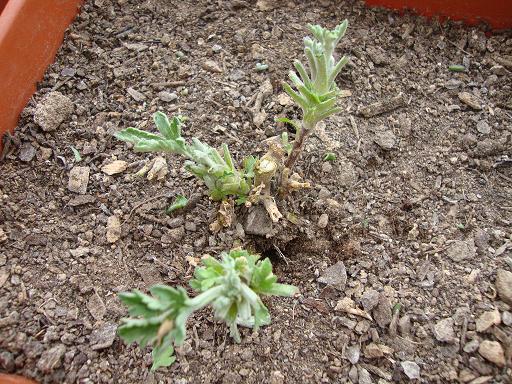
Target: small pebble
(114,167)
(51,359)
(54,109)
(167,96)
(487,320)
(190,226)
(211,66)
(352,353)
(335,276)
(78,180)
(492,351)
(364,376)
(323,220)
(326,167)
(483,127)
(471,346)
(443,330)
(113,229)
(137,96)
(68,72)
(27,152)
(506,317)
(411,369)
(504,285)
(386,140)
(470,100)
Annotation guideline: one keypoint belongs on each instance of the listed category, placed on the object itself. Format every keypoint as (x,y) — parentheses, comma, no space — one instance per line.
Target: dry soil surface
(401,249)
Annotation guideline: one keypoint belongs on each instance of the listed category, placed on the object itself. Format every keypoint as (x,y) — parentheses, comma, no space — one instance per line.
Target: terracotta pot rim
(31,33)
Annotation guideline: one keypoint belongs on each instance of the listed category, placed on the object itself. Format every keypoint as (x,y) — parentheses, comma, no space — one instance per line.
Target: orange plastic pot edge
(14,379)
(2,4)
(31,33)
(497,13)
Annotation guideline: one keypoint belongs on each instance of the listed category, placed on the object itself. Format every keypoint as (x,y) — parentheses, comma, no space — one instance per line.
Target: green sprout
(316,92)
(261,67)
(232,286)
(285,143)
(456,68)
(329,156)
(76,154)
(180,202)
(216,169)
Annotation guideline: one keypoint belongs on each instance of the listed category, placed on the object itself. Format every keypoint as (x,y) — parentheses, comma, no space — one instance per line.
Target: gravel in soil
(402,249)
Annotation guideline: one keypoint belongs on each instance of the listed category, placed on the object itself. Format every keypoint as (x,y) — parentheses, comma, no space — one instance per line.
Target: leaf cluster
(232,285)
(317,91)
(216,169)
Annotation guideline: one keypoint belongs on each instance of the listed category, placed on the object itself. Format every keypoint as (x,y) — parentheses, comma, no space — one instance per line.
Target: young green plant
(316,92)
(232,286)
(216,169)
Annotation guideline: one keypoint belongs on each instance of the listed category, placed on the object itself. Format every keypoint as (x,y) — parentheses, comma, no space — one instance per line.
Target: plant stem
(205,298)
(298,145)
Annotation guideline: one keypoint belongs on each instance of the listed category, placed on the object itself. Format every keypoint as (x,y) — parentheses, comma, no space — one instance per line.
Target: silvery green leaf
(163,124)
(76,154)
(179,202)
(163,355)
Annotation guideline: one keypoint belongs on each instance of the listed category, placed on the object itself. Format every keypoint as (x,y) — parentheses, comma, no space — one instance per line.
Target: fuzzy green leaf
(287,146)
(163,125)
(316,92)
(264,281)
(176,126)
(143,141)
(76,154)
(179,202)
(293,123)
(143,331)
(302,72)
(457,68)
(262,277)
(140,304)
(280,290)
(300,100)
(231,286)
(162,356)
(248,166)
(170,299)
(205,162)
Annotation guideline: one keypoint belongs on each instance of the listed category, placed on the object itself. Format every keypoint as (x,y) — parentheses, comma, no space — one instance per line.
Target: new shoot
(232,286)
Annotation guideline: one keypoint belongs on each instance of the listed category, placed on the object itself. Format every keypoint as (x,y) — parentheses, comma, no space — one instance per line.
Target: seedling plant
(233,285)
(313,89)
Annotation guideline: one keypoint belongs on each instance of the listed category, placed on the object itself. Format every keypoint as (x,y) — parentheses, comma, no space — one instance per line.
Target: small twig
(505,177)
(354,126)
(120,257)
(136,206)
(356,132)
(61,83)
(459,48)
(463,333)
(224,83)
(281,254)
(165,266)
(152,218)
